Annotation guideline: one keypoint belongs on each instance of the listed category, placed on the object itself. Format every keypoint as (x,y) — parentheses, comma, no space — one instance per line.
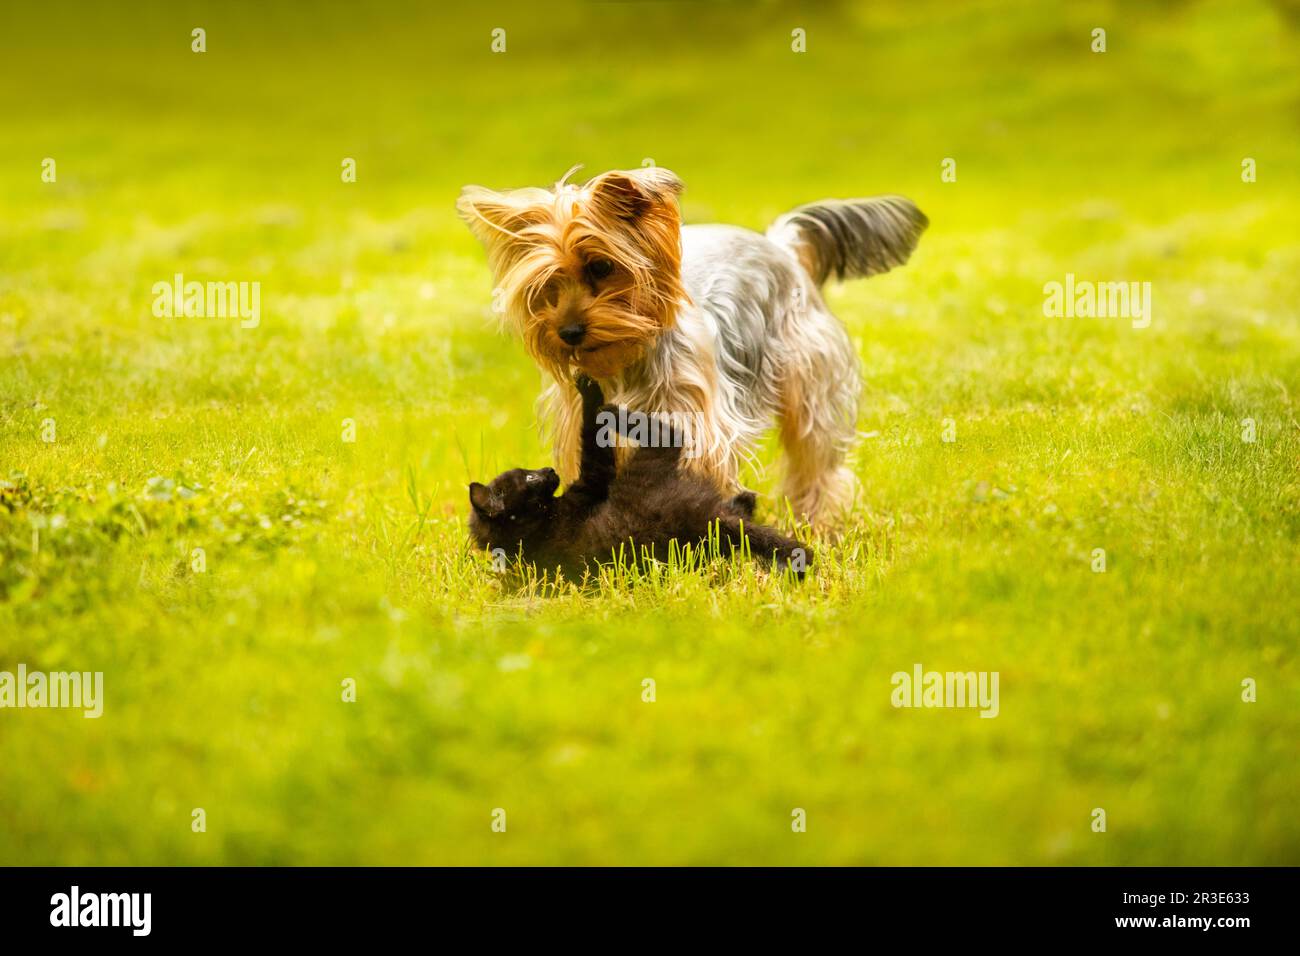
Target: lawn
(181,511)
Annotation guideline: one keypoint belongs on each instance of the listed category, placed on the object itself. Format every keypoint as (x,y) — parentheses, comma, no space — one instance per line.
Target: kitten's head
(512,506)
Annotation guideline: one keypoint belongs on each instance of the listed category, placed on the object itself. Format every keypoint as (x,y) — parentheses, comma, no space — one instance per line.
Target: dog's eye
(599,269)
(530,478)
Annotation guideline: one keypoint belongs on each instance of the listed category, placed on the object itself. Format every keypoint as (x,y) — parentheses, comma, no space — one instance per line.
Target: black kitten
(647,505)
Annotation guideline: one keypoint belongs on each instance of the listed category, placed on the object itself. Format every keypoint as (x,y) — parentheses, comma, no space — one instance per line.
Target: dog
(716,324)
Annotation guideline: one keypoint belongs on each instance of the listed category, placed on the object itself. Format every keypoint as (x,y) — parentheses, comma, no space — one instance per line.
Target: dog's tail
(850,238)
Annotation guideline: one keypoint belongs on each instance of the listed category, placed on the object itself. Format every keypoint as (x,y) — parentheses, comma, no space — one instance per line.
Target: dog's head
(591,274)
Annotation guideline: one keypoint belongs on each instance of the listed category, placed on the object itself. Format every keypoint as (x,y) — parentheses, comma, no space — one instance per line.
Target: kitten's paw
(745,503)
(588,389)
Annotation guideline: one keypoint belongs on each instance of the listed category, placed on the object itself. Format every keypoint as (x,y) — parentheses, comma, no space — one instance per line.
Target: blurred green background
(328,560)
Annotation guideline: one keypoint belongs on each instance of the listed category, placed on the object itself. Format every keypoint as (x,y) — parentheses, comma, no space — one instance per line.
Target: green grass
(327,560)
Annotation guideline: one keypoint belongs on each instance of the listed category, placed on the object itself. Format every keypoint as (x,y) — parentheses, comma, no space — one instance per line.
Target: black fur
(650,503)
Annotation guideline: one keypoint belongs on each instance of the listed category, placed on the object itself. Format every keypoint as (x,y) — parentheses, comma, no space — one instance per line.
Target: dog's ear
(639,206)
(498,218)
(484,502)
(631,194)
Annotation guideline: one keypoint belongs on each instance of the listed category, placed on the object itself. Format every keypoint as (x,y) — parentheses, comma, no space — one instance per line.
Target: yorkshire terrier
(716,325)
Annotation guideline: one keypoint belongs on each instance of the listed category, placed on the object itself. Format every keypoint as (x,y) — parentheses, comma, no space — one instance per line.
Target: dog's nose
(572,334)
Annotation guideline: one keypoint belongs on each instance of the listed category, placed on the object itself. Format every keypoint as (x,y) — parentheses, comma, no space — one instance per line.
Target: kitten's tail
(850,238)
(767,545)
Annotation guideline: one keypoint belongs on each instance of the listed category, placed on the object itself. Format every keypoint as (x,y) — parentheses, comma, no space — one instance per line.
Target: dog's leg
(819,408)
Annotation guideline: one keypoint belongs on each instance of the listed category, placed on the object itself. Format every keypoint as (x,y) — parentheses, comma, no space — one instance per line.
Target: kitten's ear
(483,501)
